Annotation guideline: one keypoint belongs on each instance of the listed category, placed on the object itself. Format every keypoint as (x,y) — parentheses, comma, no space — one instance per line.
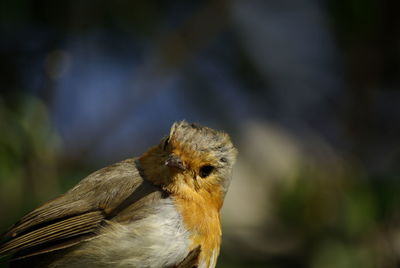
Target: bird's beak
(175,162)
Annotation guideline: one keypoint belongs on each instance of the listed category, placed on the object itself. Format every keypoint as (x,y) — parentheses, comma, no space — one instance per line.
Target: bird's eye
(205,171)
(166,143)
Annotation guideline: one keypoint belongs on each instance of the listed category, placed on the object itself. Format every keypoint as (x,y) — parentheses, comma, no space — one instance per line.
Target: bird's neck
(201,217)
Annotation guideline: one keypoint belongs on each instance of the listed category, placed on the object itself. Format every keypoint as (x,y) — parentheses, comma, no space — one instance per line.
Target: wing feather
(47,213)
(63,229)
(76,215)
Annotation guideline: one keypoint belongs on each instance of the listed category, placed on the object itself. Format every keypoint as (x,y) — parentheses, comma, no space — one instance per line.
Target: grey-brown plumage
(77,215)
(117,216)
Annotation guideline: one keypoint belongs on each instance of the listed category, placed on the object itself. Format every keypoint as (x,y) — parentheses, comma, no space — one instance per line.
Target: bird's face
(193,159)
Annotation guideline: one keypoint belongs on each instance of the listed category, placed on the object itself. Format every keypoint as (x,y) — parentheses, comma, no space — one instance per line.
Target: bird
(161,209)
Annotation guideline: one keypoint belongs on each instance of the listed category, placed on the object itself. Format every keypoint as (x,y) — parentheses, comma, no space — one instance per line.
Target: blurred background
(309,90)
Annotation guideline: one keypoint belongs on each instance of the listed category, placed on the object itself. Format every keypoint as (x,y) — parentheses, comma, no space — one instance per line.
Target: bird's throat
(202,218)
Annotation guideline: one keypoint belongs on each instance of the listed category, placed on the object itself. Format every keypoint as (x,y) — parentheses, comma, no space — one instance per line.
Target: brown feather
(191,259)
(69,227)
(103,189)
(50,247)
(76,215)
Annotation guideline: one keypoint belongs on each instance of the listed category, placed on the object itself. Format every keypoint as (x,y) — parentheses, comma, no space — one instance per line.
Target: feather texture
(77,215)
(67,228)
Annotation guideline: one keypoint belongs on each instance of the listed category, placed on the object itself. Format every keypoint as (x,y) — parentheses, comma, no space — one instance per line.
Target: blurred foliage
(28,148)
(340,219)
(327,215)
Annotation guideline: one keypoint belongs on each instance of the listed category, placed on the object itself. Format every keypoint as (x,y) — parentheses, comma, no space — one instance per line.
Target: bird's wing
(191,259)
(75,216)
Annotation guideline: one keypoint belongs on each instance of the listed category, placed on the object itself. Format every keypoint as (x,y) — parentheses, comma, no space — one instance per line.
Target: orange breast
(200,212)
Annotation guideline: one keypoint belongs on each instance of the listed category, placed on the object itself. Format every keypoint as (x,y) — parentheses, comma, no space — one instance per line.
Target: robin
(161,209)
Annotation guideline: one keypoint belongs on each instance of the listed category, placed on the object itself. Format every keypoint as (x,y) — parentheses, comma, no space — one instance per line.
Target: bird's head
(192,159)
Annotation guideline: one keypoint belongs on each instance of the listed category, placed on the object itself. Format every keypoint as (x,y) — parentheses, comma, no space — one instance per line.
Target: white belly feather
(159,240)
